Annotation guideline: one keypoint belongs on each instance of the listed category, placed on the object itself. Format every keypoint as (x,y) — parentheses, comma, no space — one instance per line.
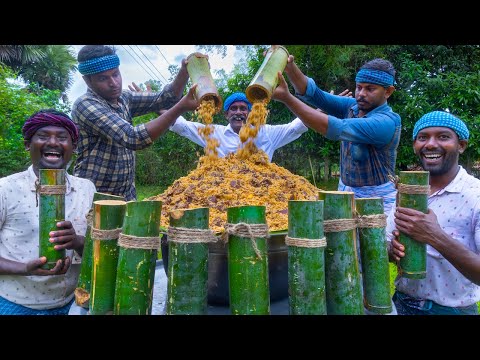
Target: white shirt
(19,239)
(269,138)
(457,207)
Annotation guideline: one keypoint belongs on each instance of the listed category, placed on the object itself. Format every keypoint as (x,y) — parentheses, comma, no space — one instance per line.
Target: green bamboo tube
(199,71)
(136,266)
(374,255)
(51,211)
(306,265)
(249,290)
(266,79)
(82,292)
(107,215)
(414,264)
(187,287)
(342,274)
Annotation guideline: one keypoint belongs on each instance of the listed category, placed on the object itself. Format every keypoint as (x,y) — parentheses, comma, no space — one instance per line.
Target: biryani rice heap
(240,179)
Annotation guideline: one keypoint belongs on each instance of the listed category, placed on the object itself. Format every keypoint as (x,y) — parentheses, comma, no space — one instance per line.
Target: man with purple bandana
(108,140)
(25,288)
(450,229)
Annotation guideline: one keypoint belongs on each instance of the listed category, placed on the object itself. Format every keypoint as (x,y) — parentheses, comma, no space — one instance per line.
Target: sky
(139,63)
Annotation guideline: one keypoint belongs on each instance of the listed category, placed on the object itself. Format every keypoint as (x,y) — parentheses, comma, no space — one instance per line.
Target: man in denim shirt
(367,127)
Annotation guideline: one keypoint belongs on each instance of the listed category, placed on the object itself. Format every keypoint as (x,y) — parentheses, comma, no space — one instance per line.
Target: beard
(450,160)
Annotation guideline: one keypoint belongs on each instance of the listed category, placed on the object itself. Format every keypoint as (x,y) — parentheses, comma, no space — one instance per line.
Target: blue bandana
(239,96)
(375,77)
(98,65)
(442,119)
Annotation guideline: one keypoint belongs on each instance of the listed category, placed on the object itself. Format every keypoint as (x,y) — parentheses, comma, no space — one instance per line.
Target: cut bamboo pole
(266,79)
(107,215)
(138,248)
(187,288)
(248,262)
(306,264)
(414,264)
(82,292)
(199,71)
(374,255)
(342,274)
(51,203)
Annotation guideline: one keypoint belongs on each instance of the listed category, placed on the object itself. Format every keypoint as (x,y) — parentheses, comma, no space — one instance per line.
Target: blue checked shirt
(108,140)
(368,149)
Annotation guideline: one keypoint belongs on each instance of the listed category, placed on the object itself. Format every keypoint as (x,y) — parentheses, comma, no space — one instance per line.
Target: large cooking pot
(218,293)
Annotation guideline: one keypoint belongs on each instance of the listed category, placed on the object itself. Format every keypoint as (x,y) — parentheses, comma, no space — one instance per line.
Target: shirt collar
(228,128)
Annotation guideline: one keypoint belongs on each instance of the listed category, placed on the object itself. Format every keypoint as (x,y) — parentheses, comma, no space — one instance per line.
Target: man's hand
(66,237)
(34,267)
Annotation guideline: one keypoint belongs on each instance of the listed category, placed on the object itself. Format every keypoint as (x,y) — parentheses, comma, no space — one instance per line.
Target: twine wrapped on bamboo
(306,264)
(413,191)
(107,225)
(138,247)
(82,292)
(248,261)
(51,201)
(371,222)
(188,237)
(342,273)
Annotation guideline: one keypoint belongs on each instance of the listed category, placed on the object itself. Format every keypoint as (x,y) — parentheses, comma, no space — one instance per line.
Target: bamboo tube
(306,265)
(247,273)
(414,264)
(199,71)
(82,292)
(51,211)
(187,287)
(342,274)
(107,215)
(266,79)
(136,265)
(374,255)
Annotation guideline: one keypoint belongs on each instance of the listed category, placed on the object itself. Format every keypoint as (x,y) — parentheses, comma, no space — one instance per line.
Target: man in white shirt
(450,229)
(237,107)
(25,287)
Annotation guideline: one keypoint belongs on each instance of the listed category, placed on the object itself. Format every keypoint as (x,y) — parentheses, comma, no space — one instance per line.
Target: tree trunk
(374,255)
(247,273)
(107,215)
(187,288)
(51,211)
(414,264)
(342,274)
(306,265)
(82,292)
(136,265)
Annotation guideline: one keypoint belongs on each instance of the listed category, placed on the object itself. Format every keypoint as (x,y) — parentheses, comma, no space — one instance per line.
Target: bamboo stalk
(136,266)
(414,264)
(374,255)
(82,292)
(247,273)
(51,211)
(107,215)
(342,274)
(266,79)
(306,265)
(187,288)
(199,71)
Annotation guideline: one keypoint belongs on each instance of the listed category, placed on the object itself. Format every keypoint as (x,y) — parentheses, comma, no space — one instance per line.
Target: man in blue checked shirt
(367,127)
(108,140)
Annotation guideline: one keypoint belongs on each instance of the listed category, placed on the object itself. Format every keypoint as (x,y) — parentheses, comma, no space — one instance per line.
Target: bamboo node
(306,243)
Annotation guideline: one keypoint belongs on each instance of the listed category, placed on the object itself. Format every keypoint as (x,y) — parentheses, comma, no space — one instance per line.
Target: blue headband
(234,98)
(378,77)
(98,65)
(442,119)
